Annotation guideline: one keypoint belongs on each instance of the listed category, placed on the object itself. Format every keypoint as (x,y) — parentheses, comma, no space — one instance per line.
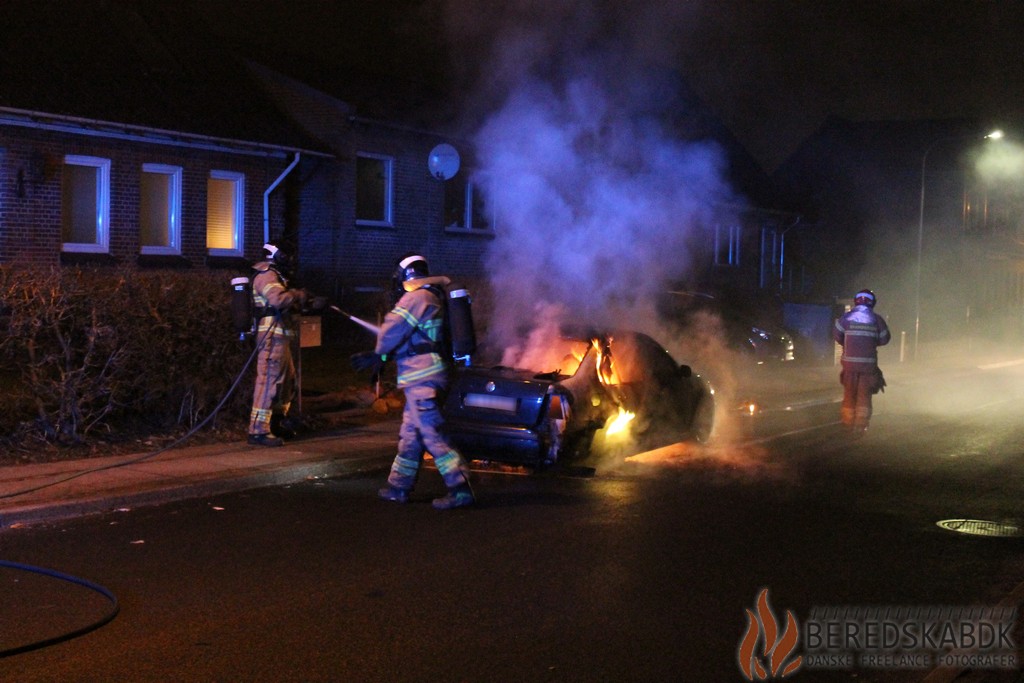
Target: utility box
(309,331)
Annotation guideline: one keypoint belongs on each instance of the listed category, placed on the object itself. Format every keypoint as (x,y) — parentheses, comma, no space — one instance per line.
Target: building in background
(129,137)
(926,213)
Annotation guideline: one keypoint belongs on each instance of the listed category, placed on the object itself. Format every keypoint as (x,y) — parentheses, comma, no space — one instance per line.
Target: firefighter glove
(368,360)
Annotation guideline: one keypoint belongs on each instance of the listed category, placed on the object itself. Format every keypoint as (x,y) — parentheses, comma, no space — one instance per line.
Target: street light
(994,135)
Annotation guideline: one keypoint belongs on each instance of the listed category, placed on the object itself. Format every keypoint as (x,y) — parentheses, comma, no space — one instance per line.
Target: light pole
(994,135)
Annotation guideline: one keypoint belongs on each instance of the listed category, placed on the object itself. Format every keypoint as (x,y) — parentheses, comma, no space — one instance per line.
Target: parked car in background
(578,385)
(750,329)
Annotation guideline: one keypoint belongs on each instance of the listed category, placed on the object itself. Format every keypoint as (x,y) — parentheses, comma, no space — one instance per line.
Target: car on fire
(575,392)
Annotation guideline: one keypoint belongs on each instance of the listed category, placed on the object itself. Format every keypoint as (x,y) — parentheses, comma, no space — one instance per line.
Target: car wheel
(704,419)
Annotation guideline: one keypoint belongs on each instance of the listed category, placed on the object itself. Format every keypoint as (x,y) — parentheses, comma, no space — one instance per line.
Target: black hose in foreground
(115,608)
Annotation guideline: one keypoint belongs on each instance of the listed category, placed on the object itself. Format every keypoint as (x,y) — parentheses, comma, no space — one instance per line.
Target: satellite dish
(443,161)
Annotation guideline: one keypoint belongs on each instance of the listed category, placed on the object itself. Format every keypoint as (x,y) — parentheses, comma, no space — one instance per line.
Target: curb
(218,484)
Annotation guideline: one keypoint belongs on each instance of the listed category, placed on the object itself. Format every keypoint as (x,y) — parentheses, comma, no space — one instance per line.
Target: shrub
(100,349)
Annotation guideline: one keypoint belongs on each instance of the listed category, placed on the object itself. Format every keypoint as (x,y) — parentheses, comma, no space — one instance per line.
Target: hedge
(93,349)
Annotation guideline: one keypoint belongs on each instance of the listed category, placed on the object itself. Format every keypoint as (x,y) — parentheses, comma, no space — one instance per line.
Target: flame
(619,422)
(776,650)
(607,373)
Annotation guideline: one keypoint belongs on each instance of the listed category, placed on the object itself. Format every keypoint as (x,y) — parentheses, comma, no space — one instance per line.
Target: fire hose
(231,390)
(115,607)
(107,618)
(180,440)
(259,342)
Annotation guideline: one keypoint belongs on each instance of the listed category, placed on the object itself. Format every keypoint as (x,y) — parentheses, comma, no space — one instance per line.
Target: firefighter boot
(458,497)
(265,440)
(281,426)
(392,493)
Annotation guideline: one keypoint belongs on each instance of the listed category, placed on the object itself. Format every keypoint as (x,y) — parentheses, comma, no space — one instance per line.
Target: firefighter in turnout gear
(275,305)
(412,334)
(860,332)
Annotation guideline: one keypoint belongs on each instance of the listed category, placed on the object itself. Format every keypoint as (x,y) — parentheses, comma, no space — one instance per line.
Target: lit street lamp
(994,135)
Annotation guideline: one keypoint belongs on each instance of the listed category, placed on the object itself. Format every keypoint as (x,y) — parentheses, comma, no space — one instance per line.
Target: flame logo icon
(776,651)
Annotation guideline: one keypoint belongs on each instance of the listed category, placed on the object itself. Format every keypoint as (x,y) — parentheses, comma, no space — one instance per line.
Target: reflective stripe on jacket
(416,318)
(860,332)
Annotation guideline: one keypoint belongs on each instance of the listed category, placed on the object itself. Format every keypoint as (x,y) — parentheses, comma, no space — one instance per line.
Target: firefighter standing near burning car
(275,306)
(412,334)
(860,332)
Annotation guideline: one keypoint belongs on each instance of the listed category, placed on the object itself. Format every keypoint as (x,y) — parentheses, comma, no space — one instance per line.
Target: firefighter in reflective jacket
(412,334)
(860,332)
(274,304)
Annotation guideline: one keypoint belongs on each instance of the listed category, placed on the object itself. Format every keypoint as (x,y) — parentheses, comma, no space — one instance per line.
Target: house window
(85,204)
(464,207)
(160,209)
(373,190)
(727,245)
(225,211)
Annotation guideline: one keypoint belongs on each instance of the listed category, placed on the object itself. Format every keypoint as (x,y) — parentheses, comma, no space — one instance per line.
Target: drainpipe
(266,197)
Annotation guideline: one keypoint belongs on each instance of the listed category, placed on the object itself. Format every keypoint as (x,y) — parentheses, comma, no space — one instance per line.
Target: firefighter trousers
(858,388)
(275,382)
(421,432)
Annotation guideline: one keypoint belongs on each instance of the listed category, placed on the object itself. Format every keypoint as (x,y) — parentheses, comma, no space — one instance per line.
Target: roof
(139,64)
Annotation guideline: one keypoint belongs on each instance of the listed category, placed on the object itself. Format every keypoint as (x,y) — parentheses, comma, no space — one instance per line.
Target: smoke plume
(598,193)
(585,150)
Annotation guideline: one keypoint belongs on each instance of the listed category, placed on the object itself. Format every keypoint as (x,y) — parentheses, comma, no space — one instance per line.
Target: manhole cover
(979,527)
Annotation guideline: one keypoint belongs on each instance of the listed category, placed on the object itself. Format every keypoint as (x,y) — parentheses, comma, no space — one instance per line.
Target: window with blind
(225,204)
(85,204)
(160,209)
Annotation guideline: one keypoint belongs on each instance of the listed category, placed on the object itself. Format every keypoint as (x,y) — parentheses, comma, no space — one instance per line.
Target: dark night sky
(772,70)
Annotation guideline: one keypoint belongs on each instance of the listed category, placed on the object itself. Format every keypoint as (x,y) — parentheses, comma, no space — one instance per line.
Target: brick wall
(315,206)
(343,258)
(30,194)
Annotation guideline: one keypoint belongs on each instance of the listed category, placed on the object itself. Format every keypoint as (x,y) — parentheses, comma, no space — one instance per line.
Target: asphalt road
(642,572)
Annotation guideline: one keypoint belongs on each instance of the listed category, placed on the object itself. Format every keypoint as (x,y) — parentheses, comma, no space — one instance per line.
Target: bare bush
(99,349)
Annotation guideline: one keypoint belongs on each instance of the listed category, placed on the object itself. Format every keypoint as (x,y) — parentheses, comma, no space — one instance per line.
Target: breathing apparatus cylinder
(241,306)
(460,322)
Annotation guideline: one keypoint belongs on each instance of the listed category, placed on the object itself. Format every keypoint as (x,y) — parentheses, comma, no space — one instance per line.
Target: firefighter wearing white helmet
(412,334)
(275,305)
(860,332)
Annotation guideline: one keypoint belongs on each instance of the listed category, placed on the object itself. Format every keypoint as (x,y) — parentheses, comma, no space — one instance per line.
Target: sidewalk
(31,494)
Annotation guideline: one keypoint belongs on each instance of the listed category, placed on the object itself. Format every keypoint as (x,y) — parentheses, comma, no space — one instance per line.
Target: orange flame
(776,651)
(619,422)
(606,372)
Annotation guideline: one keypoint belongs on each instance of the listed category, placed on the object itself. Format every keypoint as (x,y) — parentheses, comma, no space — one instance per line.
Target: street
(642,572)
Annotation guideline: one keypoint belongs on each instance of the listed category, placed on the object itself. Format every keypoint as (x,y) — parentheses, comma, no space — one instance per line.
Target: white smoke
(588,157)
(598,194)
(596,205)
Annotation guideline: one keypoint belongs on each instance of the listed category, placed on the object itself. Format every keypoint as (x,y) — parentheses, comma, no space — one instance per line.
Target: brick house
(124,139)
(376,198)
(76,190)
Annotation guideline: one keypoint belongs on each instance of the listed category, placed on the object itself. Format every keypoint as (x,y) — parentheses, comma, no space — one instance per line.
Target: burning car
(582,391)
